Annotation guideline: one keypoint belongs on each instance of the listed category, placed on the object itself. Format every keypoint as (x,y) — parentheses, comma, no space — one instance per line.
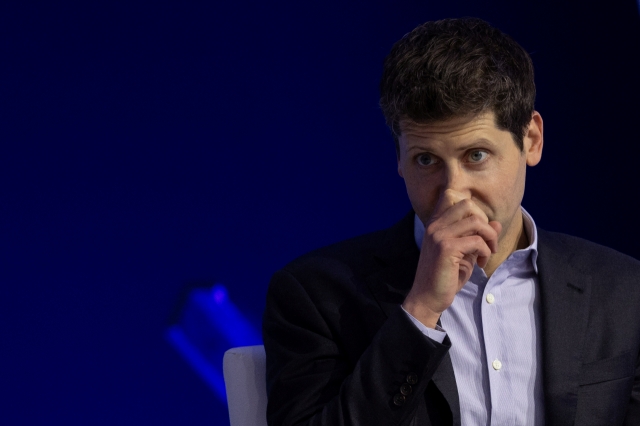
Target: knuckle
(479,240)
(474,220)
(484,251)
(445,245)
(431,229)
(467,203)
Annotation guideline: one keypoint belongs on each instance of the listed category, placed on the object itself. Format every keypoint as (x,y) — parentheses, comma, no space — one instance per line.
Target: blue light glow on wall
(209,325)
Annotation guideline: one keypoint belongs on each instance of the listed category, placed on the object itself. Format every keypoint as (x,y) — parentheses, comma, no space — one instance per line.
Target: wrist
(422,313)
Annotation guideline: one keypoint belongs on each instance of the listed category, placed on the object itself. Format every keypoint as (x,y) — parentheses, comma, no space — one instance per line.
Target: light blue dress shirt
(493,325)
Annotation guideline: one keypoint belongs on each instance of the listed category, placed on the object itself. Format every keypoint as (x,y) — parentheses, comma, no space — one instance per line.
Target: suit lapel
(389,286)
(565,294)
(397,260)
(445,380)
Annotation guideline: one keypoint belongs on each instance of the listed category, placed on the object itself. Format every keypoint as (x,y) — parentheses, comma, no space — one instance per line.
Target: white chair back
(245,370)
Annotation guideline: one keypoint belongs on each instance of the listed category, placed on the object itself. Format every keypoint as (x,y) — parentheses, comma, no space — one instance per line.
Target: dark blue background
(147,146)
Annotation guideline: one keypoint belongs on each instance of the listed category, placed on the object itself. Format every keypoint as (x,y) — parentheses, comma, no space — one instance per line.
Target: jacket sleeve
(311,380)
(632,416)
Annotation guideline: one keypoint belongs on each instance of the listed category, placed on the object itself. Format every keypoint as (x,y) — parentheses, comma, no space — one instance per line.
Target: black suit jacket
(339,347)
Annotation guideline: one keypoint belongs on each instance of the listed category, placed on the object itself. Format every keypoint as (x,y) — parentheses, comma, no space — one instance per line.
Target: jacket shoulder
(589,256)
(362,253)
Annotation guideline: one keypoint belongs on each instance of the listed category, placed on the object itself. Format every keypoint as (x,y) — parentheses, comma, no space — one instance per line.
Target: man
(464,312)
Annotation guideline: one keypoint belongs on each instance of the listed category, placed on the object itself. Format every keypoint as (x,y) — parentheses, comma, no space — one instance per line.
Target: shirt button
(497,365)
(490,298)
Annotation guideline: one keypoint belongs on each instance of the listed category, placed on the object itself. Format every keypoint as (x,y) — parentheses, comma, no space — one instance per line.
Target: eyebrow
(475,144)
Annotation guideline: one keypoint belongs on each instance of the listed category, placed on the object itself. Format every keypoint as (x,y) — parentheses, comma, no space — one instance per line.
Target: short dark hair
(458,67)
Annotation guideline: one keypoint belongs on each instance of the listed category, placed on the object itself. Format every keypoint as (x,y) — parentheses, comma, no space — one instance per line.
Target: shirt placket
(491,307)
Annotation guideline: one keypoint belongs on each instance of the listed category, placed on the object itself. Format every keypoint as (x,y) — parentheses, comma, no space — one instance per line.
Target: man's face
(471,156)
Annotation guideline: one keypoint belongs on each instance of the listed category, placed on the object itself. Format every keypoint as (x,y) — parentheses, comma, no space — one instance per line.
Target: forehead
(456,127)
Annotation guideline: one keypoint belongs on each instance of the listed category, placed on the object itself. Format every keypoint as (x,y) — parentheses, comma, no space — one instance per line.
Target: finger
(469,251)
(475,245)
(458,211)
(482,261)
(447,199)
(466,268)
(458,248)
(450,197)
(496,225)
(472,225)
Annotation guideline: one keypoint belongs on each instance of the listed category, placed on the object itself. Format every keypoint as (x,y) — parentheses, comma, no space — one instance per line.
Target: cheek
(423,195)
(497,191)
(509,188)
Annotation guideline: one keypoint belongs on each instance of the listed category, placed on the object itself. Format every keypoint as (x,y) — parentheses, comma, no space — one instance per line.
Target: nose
(457,180)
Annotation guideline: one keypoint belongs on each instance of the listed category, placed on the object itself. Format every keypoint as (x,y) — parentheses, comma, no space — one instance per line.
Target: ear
(534,140)
(397,143)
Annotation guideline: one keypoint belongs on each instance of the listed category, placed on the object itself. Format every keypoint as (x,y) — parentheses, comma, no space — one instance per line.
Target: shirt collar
(529,227)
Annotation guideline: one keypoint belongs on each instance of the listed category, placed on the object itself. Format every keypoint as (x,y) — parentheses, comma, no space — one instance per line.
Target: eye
(426,159)
(478,156)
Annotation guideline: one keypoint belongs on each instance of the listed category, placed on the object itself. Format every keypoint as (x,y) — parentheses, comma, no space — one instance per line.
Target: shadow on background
(145,146)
